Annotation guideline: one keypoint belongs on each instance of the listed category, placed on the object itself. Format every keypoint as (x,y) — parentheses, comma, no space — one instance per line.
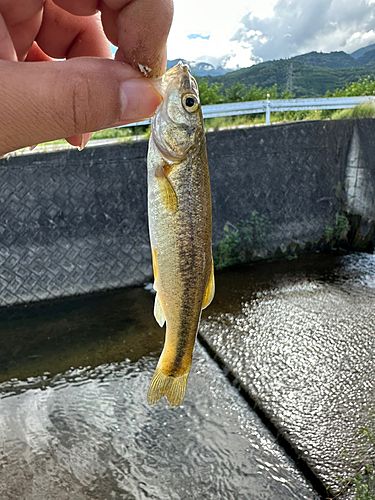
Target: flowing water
(74,422)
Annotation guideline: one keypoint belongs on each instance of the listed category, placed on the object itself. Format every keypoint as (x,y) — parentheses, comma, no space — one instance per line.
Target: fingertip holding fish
(84,140)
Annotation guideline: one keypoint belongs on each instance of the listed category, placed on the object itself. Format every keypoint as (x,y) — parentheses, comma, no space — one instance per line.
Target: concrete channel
(295,338)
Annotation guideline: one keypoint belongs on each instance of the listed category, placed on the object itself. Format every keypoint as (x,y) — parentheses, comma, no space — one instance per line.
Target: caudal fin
(173,388)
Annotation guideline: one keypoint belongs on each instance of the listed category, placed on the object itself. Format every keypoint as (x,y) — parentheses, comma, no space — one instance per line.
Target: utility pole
(289,79)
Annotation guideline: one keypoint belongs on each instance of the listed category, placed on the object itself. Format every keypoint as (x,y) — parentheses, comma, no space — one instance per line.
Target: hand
(43,99)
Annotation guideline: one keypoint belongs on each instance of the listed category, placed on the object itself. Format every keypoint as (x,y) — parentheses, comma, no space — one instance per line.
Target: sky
(239,33)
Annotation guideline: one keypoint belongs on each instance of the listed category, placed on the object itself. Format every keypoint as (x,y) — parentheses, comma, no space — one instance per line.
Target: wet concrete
(74,422)
(299,337)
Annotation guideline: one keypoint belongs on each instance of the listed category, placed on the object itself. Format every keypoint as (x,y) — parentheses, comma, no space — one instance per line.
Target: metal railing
(268,106)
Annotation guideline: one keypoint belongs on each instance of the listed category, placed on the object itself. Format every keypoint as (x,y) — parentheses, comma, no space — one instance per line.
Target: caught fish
(179,212)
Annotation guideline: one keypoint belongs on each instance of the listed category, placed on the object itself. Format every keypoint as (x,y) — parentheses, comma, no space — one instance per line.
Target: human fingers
(139,28)
(22,19)
(66,34)
(35,54)
(43,101)
(59,34)
(7,50)
(63,34)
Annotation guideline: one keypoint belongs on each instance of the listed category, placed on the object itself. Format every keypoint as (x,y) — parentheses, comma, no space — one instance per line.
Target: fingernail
(84,140)
(139,99)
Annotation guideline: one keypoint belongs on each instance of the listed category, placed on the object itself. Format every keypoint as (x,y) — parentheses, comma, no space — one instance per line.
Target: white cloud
(242,32)
(299,26)
(219,21)
(357,40)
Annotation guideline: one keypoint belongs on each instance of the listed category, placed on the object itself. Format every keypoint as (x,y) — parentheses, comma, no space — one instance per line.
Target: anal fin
(155,268)
(210,288)
(158,312)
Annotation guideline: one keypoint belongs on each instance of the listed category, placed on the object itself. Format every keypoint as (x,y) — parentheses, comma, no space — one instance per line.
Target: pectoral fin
(158,312)
(210,289)
(168,193)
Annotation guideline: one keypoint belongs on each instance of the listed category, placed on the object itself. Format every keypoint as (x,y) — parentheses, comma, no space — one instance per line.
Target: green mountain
(307,75)
(360,52)
(367,57)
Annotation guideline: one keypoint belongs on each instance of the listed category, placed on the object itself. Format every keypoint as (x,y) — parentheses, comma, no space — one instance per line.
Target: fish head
(178,123)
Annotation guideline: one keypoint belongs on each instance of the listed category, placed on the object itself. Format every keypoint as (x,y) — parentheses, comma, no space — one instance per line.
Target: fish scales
(179,206)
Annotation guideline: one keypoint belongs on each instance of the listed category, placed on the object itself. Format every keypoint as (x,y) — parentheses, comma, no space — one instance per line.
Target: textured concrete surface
(75,222)
(299,338)
(360,187)
(290,174)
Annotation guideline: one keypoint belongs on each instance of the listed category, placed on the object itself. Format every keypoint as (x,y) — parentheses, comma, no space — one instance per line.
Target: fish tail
(172,387)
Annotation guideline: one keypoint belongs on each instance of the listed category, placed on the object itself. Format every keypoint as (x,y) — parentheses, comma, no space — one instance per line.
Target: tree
(210,93)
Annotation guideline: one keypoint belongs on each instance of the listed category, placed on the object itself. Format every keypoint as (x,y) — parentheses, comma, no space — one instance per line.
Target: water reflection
(88,331)
(90,434)
(74,422)
(300,336)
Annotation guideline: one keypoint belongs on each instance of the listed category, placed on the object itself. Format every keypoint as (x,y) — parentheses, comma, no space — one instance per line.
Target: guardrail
(267,106)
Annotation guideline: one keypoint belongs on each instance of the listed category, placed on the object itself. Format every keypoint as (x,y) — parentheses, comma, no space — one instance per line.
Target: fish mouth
(180,72)
(179,68)
(188,83)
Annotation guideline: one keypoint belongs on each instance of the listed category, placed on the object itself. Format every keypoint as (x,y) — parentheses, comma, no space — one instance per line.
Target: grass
(362,484)
(120,134)
(242,242)
(364,481)
(334,234)
(361,111)
(233,122)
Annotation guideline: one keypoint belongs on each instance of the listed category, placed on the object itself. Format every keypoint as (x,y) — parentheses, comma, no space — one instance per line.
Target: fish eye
(190,102)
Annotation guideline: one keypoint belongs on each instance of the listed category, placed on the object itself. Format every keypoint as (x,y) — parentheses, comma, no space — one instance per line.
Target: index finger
(140,30)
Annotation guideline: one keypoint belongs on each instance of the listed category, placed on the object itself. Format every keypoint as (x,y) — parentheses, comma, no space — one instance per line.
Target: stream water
(74,422)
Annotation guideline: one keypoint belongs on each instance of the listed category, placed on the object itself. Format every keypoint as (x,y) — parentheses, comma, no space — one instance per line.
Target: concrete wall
(75,222)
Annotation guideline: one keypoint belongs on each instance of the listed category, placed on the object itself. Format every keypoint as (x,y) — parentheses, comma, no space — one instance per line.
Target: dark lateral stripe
(186,341)
(186,335)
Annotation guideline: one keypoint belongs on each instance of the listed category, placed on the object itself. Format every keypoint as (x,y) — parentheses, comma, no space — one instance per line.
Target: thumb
(43,101)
